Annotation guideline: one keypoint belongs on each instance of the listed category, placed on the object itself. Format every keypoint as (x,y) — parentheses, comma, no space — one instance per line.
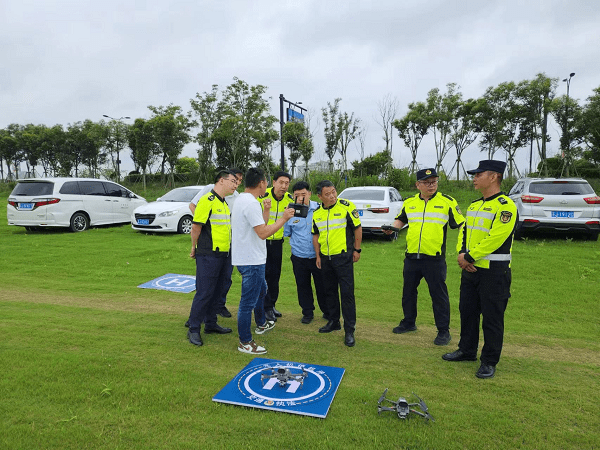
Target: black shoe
(486,371)
(216,328)
(224,312)
(277,313)
(270,315)
(331,326)
(187,324)
(458,355)
(195,338)
(349,339)
(306,319)
(442,338)
(404,328)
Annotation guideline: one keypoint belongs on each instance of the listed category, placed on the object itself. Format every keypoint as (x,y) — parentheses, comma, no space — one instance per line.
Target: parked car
(377,206)
(77,203)
(556,205)
(169,213)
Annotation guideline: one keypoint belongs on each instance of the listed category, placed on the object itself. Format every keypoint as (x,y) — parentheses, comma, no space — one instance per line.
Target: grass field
(88,360)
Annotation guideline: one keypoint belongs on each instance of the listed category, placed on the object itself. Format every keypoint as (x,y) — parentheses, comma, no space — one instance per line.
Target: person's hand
(355,256)
(288,213)
(318,263)
(267,203)
(464,264)
(193,252)
(388,232)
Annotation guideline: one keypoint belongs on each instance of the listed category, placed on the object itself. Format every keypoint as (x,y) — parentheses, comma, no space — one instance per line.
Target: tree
(186,164)
(209,112)
(293,135)
(589,126)
(568,114)
(376,164)
(9,149)
(440,113)
(349,127)
(388,108)
(412,128)
(464,129)
(144,150)
(332,131)
(171,129)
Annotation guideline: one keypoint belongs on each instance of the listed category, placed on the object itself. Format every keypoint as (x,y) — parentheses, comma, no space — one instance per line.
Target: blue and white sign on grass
(285,386)
(172,282)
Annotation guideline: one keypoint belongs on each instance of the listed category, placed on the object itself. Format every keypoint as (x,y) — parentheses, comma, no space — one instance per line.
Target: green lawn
(88,360)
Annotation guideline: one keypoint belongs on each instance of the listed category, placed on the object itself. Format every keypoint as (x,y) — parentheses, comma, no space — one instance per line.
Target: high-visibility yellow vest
(487,237)
(212,212)
(277,208)
(428,224)
(335,226)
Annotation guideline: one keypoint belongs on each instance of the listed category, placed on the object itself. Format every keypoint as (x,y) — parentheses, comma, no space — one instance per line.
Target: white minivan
(76,203)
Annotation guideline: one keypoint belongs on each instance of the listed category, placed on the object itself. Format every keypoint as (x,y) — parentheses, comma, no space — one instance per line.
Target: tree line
(234,126)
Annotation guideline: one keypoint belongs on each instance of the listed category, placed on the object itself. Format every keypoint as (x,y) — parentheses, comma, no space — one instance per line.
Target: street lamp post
(281,123)
(567,130)
(117,139)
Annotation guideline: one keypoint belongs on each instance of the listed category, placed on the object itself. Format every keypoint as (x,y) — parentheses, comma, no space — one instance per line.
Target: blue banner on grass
(172,282)
(258,386)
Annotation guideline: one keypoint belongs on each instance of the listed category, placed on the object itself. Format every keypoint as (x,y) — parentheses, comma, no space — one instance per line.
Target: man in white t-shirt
(249,230)
(230,199)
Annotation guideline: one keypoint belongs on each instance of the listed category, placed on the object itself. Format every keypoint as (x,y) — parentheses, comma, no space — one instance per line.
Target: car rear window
(363,195)
(561,188)
(33,188)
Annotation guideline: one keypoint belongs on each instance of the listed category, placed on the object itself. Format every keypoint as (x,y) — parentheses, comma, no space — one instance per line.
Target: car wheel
(519,232)
(392,237)
(593,236)
(79,222)
(185,225)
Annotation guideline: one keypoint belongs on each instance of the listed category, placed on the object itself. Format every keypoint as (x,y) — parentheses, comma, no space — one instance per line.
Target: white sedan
(377,206)
(169,213)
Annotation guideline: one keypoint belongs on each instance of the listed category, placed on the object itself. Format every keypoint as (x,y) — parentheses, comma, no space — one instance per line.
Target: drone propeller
(422,403)
(382,398)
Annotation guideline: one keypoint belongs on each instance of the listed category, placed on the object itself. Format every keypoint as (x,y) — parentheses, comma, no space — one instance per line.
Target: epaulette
(318,207)
(211,197)
(502,200)
(344,202)
(448,197)
(265,195)
(477,200)
(290,196)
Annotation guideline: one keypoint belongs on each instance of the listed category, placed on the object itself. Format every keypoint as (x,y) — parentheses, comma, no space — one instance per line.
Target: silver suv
(556,204)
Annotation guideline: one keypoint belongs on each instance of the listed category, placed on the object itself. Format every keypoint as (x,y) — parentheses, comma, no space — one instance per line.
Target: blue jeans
(254,289)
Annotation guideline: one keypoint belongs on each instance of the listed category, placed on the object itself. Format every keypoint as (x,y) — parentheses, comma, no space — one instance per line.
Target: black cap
(489,164)
(423,174)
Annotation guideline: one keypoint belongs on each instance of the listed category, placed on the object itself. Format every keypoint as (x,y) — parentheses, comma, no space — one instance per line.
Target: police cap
(489,164)
(423,174)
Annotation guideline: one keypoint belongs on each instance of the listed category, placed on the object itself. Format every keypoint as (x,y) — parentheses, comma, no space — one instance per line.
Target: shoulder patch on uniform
(211,197)
(265,195)
(355,213)
(502,200)
(458,210)
(505,216)
(344,202)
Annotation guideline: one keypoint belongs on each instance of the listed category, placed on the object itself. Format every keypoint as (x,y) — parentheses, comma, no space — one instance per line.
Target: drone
(403,408)
(284,376)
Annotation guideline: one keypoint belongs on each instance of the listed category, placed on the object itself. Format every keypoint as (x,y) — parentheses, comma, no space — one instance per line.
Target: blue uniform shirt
(298,229)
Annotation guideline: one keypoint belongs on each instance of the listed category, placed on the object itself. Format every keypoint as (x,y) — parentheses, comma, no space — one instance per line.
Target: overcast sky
(67,61)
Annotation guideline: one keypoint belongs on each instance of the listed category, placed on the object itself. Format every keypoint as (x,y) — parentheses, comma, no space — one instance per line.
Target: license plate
(360,212)
(143,222)
(25,206)
(563,214)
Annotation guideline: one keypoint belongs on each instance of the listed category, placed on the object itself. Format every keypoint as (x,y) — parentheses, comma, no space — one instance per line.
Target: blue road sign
(285,386)
(294,116)
(172,282)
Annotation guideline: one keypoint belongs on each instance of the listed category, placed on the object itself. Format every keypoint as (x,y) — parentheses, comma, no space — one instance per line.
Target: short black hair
(235,170)
(223,173)
(253,177)
(298,186)
(281,173)
(323,184)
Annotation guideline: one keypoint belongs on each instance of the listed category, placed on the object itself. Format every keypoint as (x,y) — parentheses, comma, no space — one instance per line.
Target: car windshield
(561,188)
(363,195)
(33,188)
(180,195)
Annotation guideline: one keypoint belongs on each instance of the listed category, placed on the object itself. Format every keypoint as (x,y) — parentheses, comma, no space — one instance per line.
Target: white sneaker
(252,348)
(269,325)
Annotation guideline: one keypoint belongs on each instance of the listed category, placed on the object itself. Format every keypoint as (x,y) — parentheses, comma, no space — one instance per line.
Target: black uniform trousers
(273,271)
(483,293)
(211,276)
(304,269)
(434,271)
(338,271)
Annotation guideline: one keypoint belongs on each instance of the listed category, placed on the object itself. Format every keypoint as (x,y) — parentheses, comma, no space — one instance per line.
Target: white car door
(96,202)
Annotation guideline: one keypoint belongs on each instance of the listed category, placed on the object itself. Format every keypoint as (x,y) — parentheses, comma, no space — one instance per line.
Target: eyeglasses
(429,183)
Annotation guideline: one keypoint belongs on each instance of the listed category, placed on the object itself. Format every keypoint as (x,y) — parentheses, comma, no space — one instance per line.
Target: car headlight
(168,213)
